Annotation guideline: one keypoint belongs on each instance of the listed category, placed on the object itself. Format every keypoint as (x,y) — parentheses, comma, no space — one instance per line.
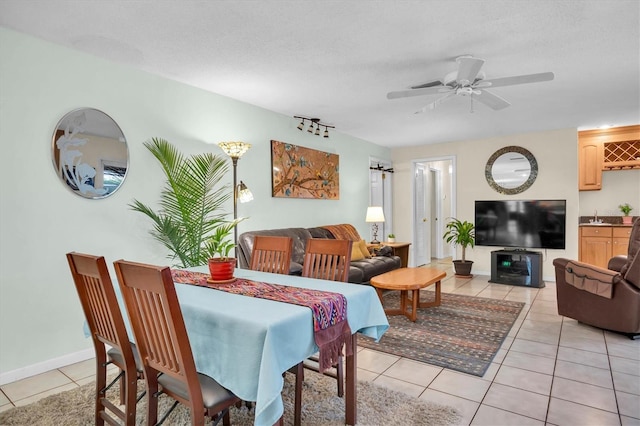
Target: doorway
(433,204)
(380,187)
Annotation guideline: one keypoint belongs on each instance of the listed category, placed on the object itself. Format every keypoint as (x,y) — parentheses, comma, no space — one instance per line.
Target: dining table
(248,343)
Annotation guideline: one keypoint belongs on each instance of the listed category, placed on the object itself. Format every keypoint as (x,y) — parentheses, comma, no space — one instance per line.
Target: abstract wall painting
(299,172)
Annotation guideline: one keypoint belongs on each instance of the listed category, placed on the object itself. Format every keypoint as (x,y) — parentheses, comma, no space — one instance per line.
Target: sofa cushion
(363,248)
(376,265)
(356,253)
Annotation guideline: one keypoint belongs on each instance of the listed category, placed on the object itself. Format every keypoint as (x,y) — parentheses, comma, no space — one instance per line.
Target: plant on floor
(190,222)
(460,233)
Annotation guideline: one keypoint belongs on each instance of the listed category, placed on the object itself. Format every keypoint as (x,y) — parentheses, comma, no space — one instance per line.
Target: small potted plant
(221,266)
(626,209)
(461,233)
(391,238)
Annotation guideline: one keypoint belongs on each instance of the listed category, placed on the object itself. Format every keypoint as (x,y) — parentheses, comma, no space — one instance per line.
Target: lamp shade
(244,194)
(234,149)
(374,214)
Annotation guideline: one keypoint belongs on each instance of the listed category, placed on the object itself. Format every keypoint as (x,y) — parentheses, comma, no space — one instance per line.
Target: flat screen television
(521,223)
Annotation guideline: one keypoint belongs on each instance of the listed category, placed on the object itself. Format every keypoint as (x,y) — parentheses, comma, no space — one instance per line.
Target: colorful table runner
(329,309)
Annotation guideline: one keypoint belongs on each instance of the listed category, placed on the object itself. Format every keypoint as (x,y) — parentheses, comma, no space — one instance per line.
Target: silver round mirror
(511,170)
(90,153)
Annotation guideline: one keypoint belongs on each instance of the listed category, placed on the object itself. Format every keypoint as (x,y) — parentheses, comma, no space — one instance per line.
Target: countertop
(615,221)
(614,225)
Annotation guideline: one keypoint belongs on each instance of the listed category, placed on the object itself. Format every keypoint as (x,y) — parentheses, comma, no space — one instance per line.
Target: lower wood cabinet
(620,242)
(598,244)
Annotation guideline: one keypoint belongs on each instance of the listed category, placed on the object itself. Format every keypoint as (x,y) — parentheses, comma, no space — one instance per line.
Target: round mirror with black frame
(511,170)
(90,153)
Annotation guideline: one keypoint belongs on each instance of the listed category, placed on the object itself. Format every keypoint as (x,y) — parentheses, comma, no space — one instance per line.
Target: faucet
(595,218)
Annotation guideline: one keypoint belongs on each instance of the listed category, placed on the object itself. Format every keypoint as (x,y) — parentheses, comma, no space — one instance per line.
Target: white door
(422,228)
(381,195)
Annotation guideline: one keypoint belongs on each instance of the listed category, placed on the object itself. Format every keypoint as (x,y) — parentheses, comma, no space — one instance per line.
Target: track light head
(314,126)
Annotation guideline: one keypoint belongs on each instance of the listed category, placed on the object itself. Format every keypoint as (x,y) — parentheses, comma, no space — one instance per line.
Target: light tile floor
(550,370)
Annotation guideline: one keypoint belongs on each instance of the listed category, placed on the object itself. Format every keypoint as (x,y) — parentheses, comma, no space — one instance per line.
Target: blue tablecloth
(247,343)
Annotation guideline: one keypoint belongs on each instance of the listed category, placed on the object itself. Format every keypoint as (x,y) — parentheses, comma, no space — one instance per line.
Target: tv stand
(517,267)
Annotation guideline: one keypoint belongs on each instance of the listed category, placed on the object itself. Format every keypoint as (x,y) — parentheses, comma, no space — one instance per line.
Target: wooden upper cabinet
(617,148)
(591,156)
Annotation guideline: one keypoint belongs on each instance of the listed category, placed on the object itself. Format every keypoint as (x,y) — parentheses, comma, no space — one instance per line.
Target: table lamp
(374,215)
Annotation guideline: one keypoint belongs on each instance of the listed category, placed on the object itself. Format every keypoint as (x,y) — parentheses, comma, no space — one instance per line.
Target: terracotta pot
(627,220)
(222,269)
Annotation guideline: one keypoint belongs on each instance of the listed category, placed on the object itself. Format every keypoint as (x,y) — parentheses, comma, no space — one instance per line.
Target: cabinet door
(591,158)
(595,250)
(620,243)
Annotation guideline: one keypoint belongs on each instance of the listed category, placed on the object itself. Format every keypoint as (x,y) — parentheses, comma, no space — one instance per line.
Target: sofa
(607,298)
(362,268)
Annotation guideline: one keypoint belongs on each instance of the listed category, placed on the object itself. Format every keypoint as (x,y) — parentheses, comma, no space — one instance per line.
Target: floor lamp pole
(235,198)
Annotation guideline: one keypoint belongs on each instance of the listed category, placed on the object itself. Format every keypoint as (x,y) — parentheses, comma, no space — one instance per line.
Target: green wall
(41,323)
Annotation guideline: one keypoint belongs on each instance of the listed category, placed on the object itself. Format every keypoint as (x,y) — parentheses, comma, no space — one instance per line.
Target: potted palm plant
(190,221)
(461,233)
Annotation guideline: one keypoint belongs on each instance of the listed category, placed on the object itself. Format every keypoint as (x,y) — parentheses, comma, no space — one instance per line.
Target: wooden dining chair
(107,327)
(328,259)
(271,254)
(161,336)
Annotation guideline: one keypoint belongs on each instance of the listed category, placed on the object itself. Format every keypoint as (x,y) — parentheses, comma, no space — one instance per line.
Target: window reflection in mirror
(90,153)
(511,170)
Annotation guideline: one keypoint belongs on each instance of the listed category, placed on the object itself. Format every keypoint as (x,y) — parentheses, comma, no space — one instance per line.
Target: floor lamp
(241,193)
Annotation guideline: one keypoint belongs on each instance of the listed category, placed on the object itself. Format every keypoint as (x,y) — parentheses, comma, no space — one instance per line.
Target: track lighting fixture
(314,126)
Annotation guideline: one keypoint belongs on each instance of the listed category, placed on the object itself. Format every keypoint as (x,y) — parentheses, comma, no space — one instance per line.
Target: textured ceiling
(338,59)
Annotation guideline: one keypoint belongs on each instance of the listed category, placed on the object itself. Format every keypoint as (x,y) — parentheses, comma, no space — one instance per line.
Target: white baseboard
(43,367)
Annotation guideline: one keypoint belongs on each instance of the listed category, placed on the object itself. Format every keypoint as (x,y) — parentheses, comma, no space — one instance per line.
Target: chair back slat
(107,327)
(158,325)
(271,254)
(98,299)
(327,259)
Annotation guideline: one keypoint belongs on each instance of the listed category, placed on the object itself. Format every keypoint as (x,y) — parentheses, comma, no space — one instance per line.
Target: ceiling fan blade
(491,100)
(519,79)
(414,92)
(468,69)
(429,84)
(435,103)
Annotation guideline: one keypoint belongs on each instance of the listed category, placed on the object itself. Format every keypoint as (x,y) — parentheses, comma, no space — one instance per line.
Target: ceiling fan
(468,80)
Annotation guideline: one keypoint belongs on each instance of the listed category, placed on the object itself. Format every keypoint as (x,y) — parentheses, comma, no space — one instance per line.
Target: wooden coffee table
(405,280)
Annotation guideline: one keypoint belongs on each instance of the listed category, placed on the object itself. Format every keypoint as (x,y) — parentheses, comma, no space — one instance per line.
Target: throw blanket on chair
(343,232)
(328,309)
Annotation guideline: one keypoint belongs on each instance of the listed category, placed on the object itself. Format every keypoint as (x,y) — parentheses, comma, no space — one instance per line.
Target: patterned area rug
(463,333)
(321,406)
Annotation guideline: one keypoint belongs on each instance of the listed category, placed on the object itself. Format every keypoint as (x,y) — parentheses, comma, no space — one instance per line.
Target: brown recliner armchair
(604,298)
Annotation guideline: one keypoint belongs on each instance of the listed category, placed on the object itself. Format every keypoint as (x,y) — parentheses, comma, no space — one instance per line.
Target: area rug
(321,406)
(464,333)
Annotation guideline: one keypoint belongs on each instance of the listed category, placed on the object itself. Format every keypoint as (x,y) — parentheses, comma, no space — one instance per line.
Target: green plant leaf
(190,221)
